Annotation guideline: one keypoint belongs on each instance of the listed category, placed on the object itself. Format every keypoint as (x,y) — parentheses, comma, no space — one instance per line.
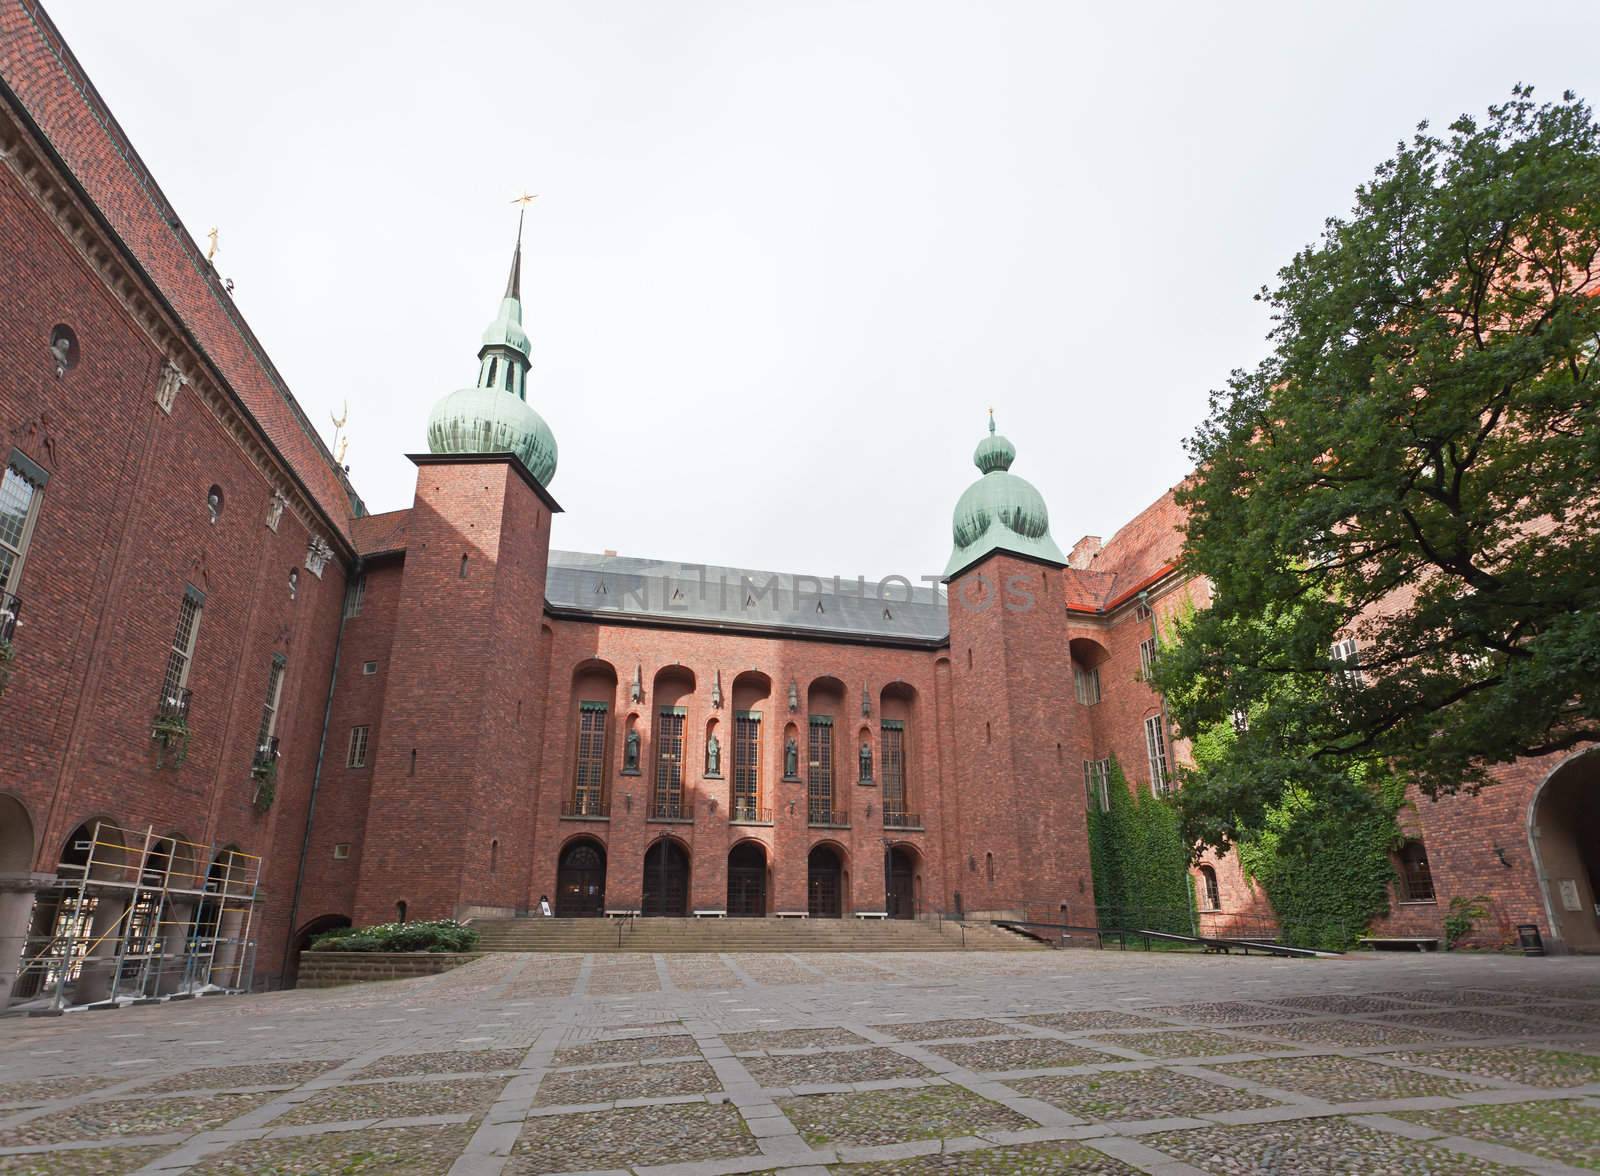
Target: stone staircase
(735,935)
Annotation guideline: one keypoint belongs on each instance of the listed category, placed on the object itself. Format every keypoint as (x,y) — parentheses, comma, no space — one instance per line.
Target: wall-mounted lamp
(1501,854)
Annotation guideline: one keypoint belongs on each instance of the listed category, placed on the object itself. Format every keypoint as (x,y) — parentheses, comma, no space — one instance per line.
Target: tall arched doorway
(581,881)
(900,883)
(747,880)
(824,883)
(16,901)
(666,880)
(1564,824)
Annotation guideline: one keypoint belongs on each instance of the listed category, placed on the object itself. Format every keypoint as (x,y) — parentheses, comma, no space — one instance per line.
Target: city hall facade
(218,666)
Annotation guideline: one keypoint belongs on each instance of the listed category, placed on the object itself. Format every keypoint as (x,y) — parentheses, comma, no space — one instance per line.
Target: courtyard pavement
(1012,1062)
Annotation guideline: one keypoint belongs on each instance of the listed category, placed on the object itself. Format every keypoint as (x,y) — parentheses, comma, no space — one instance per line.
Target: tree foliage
(1414,465)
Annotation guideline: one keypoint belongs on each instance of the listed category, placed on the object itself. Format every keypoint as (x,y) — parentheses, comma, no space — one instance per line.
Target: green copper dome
(489,420)
(493,416)
(1000,511)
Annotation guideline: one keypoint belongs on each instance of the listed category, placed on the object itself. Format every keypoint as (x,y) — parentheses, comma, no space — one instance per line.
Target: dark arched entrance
(824,883)
(1565,834)
(900,893)
(666,880)
(581,881)
(318,926)
(747,880)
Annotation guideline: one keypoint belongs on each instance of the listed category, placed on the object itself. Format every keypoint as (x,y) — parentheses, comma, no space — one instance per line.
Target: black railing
(833,818)
(668,809)
(266,756)
(895,819)
(10,610)
(749,813)
(174,705)
(585,806)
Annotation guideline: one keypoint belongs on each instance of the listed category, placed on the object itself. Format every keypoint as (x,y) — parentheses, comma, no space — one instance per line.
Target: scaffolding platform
(136,918)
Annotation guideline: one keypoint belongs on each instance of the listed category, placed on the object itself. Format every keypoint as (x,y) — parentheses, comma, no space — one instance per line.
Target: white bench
(709,914)
(794,914)
(872,914)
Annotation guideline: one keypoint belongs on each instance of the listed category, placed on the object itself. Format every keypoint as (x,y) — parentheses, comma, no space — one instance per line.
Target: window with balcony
(589,780)
(1155,742)
(896,814)
(668,803)
(819,774)
(747,766)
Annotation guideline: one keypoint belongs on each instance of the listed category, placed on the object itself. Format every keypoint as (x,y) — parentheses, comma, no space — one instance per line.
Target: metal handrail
(830,818)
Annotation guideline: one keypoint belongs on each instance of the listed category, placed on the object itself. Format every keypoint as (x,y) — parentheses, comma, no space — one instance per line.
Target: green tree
(1414,465)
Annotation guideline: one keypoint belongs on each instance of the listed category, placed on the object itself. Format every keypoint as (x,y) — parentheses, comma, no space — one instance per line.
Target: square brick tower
(1022,840)
(449,826)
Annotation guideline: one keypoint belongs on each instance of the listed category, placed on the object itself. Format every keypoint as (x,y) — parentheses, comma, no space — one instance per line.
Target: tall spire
(514,280)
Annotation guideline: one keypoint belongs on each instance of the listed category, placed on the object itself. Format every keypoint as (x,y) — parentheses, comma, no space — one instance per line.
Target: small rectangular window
(1086,684)
(354,598)
(1148,650)
(1155,741)
(341,851)
(1141,611)
(357,757)
(369,668)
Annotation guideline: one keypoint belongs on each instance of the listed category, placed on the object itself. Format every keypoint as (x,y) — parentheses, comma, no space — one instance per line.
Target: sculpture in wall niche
(713,756)
(317,555)
(866,763)
(275,509)
(791,759)
(167,386)
(630,754)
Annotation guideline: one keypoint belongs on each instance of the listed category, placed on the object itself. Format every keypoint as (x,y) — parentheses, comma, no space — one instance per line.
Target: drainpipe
(316,775)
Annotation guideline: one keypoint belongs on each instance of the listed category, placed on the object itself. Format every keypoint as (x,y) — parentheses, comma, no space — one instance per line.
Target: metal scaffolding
(133,916)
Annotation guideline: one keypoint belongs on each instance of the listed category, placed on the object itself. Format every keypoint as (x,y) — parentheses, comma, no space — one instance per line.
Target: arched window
(1210,895)
(494,854)
(1416,880)
(400,911)
(988,865)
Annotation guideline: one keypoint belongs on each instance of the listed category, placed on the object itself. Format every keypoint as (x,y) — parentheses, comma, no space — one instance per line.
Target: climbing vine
(1324,860)
(1140,863)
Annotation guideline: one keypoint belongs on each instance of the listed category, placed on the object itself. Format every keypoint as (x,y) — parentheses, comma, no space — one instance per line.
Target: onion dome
(1000,511)
(493,416)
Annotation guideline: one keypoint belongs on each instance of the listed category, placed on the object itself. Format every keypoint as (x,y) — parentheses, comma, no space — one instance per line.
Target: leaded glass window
(746,765)
(893,739)
(588,786)
(669,762)
(819,760)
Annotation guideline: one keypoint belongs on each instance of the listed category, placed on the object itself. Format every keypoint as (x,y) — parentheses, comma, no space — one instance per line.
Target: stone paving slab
(895,1116)
(710,1065)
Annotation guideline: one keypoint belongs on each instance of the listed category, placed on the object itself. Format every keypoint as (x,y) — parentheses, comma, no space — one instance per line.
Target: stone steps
(737,935)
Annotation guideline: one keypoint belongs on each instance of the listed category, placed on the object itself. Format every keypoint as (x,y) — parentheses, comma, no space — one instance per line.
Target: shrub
(1139,862)
(437,935)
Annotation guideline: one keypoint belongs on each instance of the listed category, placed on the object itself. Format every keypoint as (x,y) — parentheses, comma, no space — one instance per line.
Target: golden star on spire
(526,199)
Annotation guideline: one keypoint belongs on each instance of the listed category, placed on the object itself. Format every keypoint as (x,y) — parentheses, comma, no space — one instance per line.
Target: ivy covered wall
(1141,865)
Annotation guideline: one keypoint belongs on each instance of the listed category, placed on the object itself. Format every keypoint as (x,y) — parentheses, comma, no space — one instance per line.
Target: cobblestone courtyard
(1076,1061)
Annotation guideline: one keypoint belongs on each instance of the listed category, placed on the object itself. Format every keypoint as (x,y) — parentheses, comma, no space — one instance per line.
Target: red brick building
(208,643)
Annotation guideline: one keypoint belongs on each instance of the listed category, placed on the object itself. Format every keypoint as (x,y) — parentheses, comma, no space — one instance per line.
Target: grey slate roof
(664,591)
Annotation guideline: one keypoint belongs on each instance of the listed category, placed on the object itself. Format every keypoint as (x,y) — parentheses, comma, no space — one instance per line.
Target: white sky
(786,255)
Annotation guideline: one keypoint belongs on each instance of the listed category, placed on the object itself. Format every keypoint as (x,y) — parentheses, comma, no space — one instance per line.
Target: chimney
(1083,552)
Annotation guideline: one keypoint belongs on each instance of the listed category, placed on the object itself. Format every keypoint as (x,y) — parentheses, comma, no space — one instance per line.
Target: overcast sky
(785,256)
